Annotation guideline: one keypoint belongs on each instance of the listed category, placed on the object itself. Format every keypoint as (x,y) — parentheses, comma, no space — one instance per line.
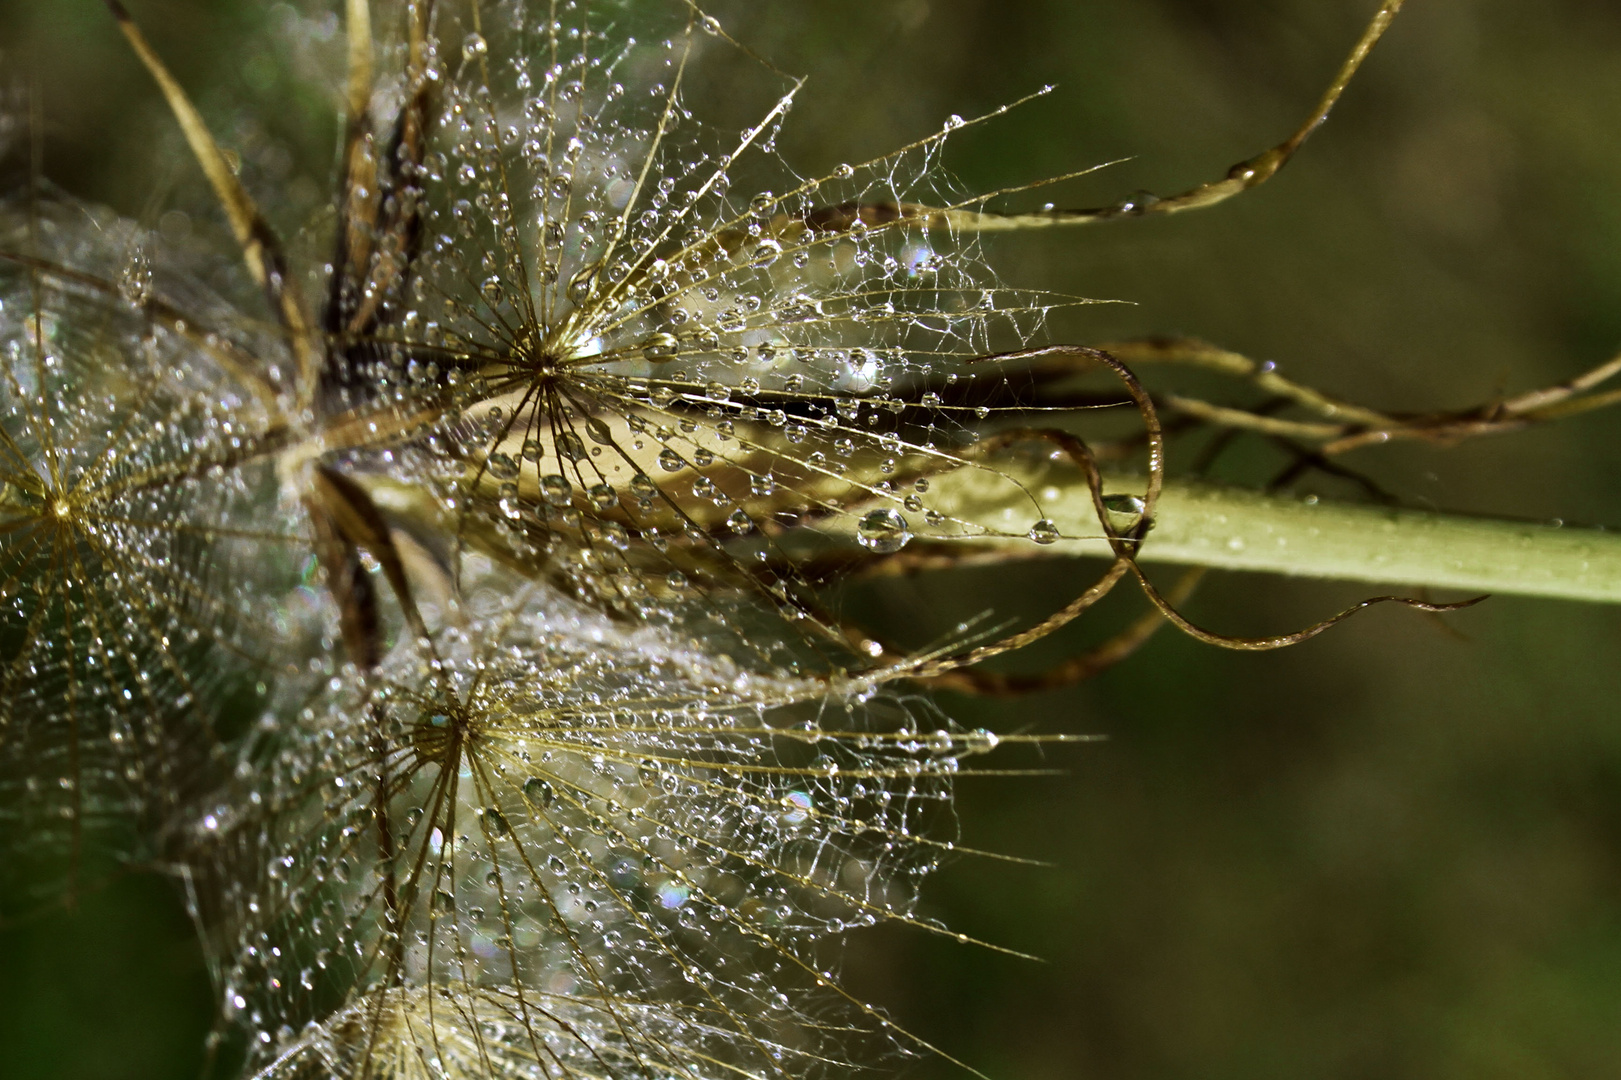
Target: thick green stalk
(1201,524)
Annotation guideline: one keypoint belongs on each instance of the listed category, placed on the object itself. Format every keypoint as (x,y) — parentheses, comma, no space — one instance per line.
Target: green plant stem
(1201,524)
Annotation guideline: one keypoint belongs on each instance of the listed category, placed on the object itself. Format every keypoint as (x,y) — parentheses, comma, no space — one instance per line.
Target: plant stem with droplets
(1201,524)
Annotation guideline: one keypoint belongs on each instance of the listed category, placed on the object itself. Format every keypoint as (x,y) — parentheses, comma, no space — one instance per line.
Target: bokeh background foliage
(1394,851)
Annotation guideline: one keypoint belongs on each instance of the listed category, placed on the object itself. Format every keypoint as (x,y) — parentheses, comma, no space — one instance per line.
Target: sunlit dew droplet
(503,466)
(1044,531)
(766,251)
(533,450)
(508,501)
(657,348)
(860,373)
(953,122)
(762,483)
(882,530)
(670,461)
(739,522)
(492,290)
(496,821)
(474,46)
(538,792)
(556,490)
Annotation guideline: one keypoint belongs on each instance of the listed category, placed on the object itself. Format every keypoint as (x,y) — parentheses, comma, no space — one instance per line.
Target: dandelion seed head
(552,806)
(653,348)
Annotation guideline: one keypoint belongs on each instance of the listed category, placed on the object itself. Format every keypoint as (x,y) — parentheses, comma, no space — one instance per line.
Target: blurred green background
(1392,852)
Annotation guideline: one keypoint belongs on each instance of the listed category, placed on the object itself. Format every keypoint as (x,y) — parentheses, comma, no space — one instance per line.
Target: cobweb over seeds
(589,848)
(138,541)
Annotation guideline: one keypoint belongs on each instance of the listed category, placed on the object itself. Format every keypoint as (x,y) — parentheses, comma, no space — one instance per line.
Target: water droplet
(496,821)
(1044,531)
(762,483)
(474,47)
(538,792)
(533,450)
(602,496)
(642,486)
(658,348)
(556,490)
(492,290)
(1124,510)
(571,446)
(765,253)
(507,496)
(739,522)
(580,285)
(598,431)
(981,741)
(883,531)
(503,466)
(670,461)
